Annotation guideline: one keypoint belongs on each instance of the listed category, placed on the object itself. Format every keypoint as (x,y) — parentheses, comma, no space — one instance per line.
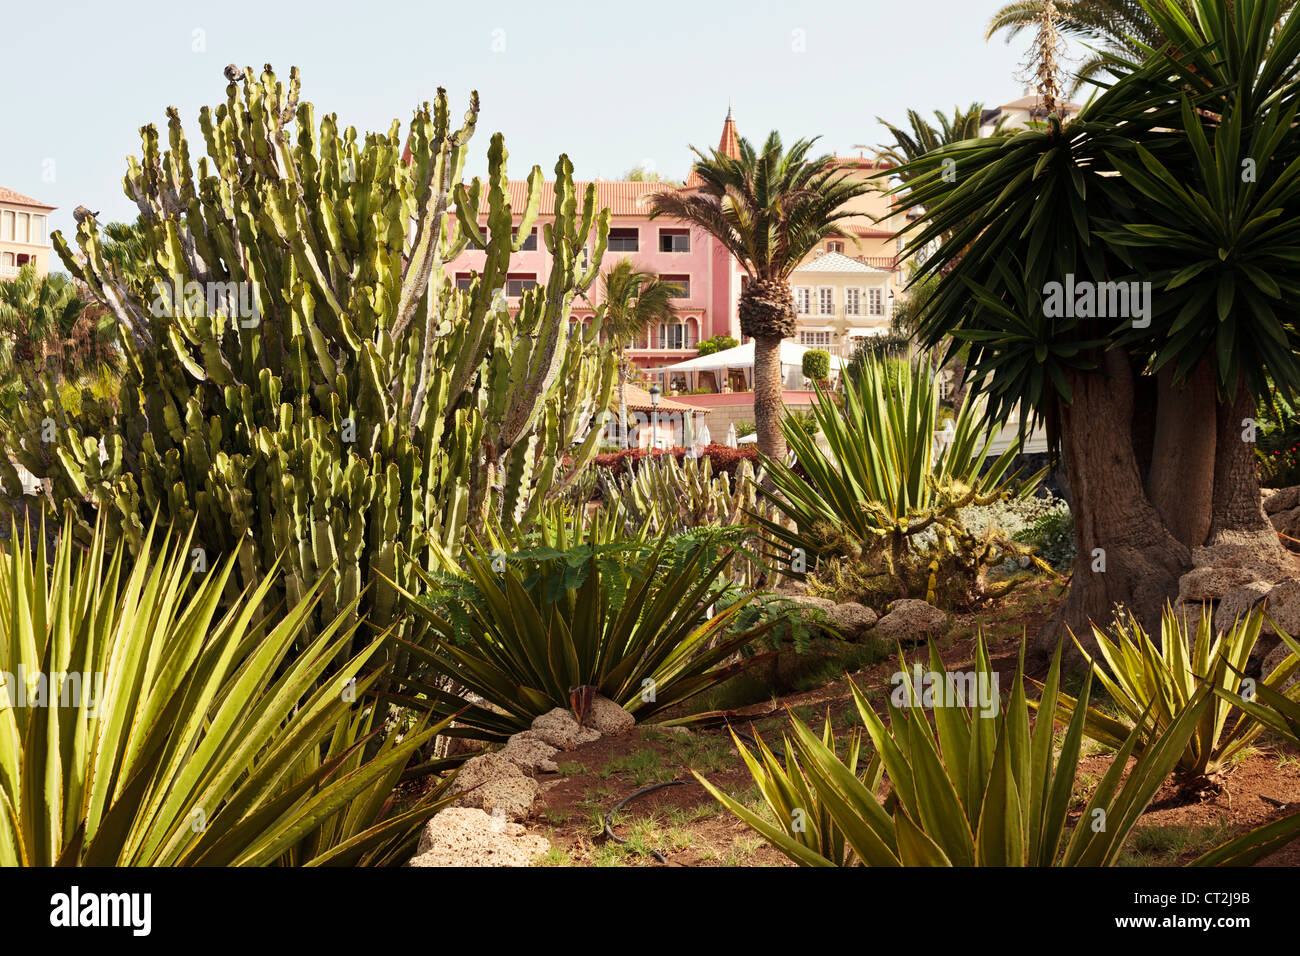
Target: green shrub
(816,365)
(880,498)
(1153,683)
(971,785)
(1051,535)
(717,343)
(1278,442)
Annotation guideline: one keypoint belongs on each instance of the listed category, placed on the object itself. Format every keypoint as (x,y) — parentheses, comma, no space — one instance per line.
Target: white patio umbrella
(731,435)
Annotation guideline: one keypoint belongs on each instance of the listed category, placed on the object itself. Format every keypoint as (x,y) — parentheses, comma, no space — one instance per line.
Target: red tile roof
(18,199)
(623,198)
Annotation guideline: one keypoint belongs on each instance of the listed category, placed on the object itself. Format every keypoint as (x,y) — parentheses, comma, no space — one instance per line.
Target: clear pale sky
(613,85)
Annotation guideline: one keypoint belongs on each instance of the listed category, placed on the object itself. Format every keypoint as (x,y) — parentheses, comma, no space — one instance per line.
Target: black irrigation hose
(609,831)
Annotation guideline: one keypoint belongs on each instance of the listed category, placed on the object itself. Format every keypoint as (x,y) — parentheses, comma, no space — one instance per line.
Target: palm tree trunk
(768,404)
(622,401)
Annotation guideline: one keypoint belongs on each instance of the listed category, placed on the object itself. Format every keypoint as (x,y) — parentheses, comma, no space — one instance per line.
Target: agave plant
(1280,713)
(1153,684)
(142,727)
(629,619)
(978,786)
(880,485)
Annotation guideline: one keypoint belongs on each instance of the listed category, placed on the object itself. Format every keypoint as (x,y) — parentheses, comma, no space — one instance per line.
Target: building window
(7,226)
(624,240)
(463,280)
(24,227)
(835,247)
(530,244)
(7,259)
(826,300)
(674,240)
(876,301)
(852,301)
(517,285)
(38,230)
(683,284)
(674,335)
(803,300)
(815,339)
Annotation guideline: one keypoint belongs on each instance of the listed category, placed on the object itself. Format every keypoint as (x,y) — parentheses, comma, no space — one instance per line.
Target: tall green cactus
(328,395)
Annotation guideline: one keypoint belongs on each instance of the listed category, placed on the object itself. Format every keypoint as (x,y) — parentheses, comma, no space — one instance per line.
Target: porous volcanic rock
(559,728)
(609,718)
(464,836)
(853,620)
(911,620)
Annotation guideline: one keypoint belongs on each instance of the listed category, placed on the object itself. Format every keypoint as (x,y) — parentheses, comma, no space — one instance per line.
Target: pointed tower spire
(729,144)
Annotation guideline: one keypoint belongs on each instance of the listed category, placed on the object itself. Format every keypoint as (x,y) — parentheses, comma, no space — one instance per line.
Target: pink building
(709,279)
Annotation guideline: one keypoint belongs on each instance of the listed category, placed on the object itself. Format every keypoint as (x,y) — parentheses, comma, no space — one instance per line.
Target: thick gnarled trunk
(1180,480)
(1237,515)
(1126,554)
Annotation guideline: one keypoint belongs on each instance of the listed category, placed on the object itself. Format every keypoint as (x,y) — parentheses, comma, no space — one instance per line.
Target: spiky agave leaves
(1156,683)
(631,619)
(974,786)
(201,739)
(879,476)
(1279,712)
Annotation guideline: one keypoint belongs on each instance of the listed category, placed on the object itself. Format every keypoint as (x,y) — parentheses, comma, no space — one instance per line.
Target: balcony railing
(842,312)
(8,272)
(892,263)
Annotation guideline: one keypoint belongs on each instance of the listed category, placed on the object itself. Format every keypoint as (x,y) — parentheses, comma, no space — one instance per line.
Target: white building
(838,299)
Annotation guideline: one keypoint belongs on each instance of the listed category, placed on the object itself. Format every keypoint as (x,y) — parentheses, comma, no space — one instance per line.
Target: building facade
(839,299)
(24,234)
(677,253)
(1019,114)
(854,277)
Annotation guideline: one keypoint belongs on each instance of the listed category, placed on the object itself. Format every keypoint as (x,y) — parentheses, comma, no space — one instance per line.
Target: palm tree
(631,300)
(1113,29)
(1144,400)
(37,317)
(769,208)
(923,137)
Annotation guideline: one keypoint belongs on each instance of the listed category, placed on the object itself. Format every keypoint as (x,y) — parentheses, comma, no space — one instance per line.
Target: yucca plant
(629,619)
(1152,684)
(977,786)
(172,734)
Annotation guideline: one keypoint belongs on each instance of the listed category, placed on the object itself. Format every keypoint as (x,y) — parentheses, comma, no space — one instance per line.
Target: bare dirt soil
(682,825)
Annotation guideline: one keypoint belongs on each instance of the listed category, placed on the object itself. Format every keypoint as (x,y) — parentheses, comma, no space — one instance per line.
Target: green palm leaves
(1182,173)
(973,785)
(770,207)
(173,734)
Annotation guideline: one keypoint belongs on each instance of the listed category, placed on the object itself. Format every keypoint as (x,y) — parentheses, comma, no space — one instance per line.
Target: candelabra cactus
(302,380)
(677,497)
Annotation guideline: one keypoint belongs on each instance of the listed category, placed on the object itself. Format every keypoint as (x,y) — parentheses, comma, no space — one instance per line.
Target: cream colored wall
(840,283)
(39,251)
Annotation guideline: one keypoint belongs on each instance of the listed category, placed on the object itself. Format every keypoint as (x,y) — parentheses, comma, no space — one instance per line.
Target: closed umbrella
(731,435)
